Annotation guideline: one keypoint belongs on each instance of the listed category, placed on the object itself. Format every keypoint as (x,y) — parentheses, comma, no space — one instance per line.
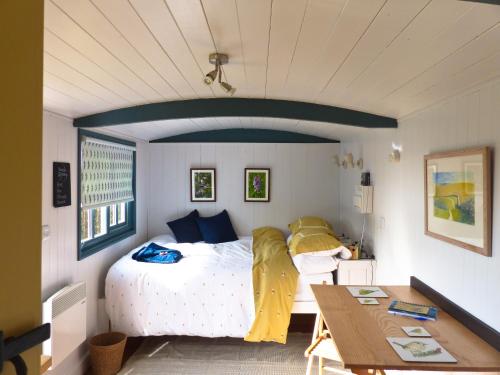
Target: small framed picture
(257,184)
(203,185)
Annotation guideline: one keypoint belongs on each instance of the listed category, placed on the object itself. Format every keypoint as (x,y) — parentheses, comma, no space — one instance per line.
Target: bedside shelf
(356,272)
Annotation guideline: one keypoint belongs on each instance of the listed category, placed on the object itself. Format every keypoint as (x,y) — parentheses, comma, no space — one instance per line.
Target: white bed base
(305,307)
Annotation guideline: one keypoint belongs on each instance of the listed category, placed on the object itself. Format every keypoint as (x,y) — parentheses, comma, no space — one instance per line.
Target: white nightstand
(356,272)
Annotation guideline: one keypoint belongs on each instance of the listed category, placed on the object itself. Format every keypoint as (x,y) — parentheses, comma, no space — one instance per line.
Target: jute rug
(219,356)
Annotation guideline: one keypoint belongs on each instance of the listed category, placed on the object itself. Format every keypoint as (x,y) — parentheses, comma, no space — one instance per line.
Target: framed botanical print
(458,198)
(203,187)
(257,184)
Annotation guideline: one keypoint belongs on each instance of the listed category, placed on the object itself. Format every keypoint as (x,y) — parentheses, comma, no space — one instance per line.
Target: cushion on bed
(312,265)
(314,240)
(217,229)
(309,222)
(186,229)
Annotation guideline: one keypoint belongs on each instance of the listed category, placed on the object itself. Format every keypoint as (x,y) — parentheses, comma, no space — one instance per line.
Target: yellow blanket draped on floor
(274,285)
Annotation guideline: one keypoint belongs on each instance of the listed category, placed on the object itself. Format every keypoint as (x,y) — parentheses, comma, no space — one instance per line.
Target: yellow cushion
(311,240)
(309,222)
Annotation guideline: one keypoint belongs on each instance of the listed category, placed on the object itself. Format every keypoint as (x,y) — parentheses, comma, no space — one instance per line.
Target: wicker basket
(106,353)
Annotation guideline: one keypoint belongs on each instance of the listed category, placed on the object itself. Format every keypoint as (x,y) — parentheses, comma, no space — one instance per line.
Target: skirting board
(487,333)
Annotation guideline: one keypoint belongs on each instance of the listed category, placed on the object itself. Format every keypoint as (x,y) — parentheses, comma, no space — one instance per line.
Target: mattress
(208,293)
(304,292)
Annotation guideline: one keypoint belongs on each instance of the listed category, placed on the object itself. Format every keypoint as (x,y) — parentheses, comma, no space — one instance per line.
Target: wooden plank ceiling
(387,57)
(166,128)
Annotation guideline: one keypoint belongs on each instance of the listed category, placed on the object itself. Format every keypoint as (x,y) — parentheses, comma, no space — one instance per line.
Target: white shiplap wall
(304,181)
(59,254)
(402,249)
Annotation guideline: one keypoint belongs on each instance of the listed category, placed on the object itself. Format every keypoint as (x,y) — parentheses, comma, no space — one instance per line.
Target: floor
(185,355)
(300,323)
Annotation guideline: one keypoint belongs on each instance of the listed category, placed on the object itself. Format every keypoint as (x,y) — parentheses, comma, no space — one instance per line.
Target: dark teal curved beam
(244,135)
(235,107)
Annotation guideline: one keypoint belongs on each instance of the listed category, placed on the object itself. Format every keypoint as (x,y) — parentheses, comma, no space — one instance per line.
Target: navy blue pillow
(217,229)
(185,229)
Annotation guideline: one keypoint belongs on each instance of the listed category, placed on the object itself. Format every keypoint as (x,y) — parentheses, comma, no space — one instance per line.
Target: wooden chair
(323,347)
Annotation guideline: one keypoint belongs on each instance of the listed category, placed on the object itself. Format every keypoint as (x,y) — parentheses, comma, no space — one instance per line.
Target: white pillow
(165,238)
(310,265)
(341,251)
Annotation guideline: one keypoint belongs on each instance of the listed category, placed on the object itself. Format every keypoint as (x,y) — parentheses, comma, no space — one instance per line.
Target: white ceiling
(160,129)
(388,57)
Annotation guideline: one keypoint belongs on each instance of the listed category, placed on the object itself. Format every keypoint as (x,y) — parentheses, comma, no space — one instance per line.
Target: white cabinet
(356,272)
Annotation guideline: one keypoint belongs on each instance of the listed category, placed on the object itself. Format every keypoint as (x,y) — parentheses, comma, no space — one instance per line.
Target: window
(106,191)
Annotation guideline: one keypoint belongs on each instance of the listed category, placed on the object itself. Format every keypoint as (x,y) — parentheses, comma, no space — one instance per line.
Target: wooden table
(360,331)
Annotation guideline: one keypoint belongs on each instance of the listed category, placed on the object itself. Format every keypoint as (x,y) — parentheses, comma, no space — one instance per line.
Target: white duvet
(209,292)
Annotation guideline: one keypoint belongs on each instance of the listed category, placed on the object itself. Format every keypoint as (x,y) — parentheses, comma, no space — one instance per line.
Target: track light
(227,88)
(211,77)
(218,59)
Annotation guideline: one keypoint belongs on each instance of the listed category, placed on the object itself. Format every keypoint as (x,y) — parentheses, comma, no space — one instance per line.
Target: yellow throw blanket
(274,285)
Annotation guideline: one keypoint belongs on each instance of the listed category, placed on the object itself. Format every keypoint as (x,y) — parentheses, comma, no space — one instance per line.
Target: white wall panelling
(389,57)
(59,254)
(304,181)
(396,229)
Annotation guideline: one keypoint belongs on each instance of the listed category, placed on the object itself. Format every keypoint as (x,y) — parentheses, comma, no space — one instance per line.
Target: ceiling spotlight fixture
(226,87)
(218,59)
(211,77)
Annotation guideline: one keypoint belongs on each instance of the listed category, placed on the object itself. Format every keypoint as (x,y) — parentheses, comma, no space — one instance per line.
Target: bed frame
(305,307)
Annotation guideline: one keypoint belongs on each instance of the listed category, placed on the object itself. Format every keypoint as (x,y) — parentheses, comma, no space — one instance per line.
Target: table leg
(316,331)
(309,365)
(361,371)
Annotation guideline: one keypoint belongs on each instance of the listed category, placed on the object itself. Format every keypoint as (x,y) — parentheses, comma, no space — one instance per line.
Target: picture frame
(203,185)
(458,198)
(257,185)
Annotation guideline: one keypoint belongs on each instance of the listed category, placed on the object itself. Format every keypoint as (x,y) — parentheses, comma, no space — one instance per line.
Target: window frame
(119,231)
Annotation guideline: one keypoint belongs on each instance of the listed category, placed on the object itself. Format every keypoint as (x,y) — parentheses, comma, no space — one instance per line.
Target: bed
(208,293)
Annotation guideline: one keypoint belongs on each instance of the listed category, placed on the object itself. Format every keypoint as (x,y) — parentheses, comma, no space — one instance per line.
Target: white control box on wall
(363,199)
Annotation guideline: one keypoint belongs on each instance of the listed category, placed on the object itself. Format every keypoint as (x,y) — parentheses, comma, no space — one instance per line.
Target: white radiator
(66,311)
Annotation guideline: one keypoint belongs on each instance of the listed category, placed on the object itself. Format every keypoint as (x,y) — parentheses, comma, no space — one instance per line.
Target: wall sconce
(348,161)
(359,163)
(395,155)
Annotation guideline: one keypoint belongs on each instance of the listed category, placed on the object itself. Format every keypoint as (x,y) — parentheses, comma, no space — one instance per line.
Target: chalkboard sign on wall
(62,184)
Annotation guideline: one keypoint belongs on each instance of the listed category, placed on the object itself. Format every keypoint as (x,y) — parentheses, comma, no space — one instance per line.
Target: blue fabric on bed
(217,229)
(185,229)
(154,253)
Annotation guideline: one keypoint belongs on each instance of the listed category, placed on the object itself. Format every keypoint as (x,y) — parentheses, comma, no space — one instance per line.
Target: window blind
(107,172)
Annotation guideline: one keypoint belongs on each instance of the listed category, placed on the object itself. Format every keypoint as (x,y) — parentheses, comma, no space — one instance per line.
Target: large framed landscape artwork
(458,198)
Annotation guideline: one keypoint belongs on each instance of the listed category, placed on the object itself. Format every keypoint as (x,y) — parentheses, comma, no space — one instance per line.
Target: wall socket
(381,223)
(45,232)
